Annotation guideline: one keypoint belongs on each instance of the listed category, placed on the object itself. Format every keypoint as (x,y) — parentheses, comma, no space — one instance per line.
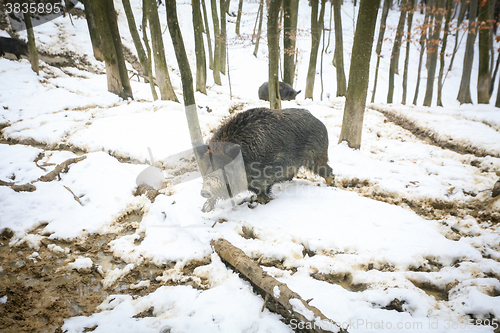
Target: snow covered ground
(407,241)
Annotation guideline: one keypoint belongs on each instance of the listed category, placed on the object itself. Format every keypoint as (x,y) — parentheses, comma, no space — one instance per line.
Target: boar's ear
(232,150)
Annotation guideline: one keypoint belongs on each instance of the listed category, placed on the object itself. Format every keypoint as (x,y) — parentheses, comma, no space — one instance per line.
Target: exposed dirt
(40,290)
(431,137)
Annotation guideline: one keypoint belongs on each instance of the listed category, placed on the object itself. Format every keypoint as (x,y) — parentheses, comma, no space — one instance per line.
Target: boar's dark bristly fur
(287,93)
(274,145)
(14,46)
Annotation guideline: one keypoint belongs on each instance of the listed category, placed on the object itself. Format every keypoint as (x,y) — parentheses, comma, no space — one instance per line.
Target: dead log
(278,297)
(29,187)
(63,167)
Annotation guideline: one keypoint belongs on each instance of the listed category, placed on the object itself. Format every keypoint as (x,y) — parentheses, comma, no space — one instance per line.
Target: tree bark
(432,52)
(94,36)
(260,15)
(464,96)
(148,49)
(393,68)
(354,109)
(274,53)
(199,45)
(483,78)
(383,23)
(186,77)
(224,5)
(449,10)
(238,17)
(31,44)
(110,45)
(411,9)
(277,296)
(161,69)
(143,58)
(423,37)
(316,27)
(339,49)
(209,39)
(217,43)
(291,11)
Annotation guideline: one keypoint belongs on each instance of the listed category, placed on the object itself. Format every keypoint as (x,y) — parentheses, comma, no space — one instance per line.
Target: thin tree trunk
(339,49)
(460,19)
(423,34)
(161,69)
(383,23)
(224,5)
(209,39)
(274,52)
(464,96)
(186,77)
(432,52)
(238,17)
(449,10)
(483,77)
(217,42)
(316,27)
(359,72)
(31,44)
(201,62)
(393,68)
(411,10)
(148,49)
(492,81)
(143,59)
(291,11)
(260,15)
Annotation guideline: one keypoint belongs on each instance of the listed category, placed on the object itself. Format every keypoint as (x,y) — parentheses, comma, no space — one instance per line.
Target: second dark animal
(274,144)
(14,46)
(287,93)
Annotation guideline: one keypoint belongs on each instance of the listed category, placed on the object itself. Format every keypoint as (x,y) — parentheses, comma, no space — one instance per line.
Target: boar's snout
(205,194)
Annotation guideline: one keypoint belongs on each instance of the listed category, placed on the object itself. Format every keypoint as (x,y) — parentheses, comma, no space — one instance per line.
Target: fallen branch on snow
(63,167)
(278,297)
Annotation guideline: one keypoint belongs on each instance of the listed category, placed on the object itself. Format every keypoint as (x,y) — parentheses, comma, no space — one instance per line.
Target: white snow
(442,270)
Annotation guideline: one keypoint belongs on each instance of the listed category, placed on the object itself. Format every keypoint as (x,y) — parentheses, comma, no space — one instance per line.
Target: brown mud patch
(38,289)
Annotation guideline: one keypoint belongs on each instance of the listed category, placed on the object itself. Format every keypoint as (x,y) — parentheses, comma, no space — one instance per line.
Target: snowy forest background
(408,240)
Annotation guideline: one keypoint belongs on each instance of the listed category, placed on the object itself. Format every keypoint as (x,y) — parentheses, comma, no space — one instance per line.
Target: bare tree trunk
(260,15)
(339,49)
(201,62)
(432,53)
(383,24)
(148,49)
(291,11)
(316,27)
(209,39)
(483,78)
(411,10)
(94,36)
(273,34)
(464,96)
(224,5)
(393,68)
(449,10)
(31,44)
(238,17)
(423,37)
(359,72)
(110,45)
(143,59)
(217,42)
(161,69)
(186,77)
